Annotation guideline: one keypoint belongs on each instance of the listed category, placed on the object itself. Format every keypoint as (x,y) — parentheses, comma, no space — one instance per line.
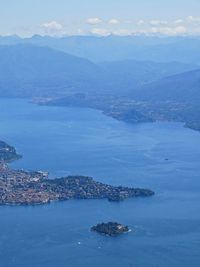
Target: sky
(99,17)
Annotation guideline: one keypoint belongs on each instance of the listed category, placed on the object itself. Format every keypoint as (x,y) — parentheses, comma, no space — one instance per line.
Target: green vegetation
(8,153)
(110,228)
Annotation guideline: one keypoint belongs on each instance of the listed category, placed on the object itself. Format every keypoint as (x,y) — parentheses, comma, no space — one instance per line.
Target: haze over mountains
(30,70)
(115,48)
(115,74)
(130,75)
(184,87)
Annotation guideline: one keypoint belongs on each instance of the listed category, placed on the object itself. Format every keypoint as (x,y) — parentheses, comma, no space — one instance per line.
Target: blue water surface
(164,157)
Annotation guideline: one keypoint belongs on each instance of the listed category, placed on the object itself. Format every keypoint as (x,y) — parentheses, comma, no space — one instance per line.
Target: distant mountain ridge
(35,71)
(183,87)
(28,71)
(131,74)
(112,48)
(129,90)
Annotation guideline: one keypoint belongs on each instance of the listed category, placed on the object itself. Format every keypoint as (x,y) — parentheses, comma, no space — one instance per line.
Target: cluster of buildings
(19,187)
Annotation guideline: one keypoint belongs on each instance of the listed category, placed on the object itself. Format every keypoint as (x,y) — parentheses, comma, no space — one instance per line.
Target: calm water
(165,228)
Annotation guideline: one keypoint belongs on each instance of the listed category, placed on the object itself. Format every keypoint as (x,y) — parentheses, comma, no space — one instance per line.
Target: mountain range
(128,89)
(117,48)
(36,71)
(183,87)
(29,71)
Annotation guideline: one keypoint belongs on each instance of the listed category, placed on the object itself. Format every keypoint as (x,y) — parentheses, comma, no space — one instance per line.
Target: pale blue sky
(26,17)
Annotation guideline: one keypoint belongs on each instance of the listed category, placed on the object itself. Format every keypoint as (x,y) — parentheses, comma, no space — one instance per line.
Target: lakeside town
(19,187)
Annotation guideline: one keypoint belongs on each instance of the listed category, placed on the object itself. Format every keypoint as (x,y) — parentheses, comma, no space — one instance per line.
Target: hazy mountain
(114,87)
(145,48)
(27,70)
(184,87)
(130,74)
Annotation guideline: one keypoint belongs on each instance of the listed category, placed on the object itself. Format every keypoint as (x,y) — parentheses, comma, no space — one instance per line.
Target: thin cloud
(158,22)
(94,21)
(179,21)
(195,20)
(140,22)
(170,31)
(53,25)
(114,21)
(100,32)
(180,26)
(53,28)
(122,32)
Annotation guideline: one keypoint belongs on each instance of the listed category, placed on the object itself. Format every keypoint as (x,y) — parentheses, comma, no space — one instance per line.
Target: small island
(110,228)
(19,187)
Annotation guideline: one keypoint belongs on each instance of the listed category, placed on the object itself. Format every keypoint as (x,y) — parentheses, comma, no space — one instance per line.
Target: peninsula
(19,187)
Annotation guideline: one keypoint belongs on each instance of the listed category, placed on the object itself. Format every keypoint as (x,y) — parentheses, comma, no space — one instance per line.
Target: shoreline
(138,116)
(19,187)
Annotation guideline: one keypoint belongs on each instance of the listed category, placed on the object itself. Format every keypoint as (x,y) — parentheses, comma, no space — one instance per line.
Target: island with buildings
(19,187)
(110,228)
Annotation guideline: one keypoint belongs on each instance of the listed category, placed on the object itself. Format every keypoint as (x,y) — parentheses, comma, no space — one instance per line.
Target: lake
(164,157)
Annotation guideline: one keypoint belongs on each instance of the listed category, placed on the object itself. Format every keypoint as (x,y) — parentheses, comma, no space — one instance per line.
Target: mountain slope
(27,70)
(130,74)
(111,48)
(33,71)
(184,87)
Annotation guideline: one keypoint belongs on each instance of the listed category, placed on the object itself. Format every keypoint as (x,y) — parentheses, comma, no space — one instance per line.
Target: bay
(163,157)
